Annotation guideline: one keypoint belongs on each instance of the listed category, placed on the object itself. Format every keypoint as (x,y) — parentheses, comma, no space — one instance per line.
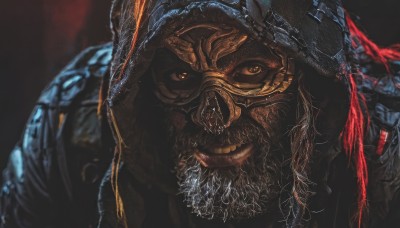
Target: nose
(216,111)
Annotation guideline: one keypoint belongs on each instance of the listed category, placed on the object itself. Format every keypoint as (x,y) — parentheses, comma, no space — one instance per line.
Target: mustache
(243,131)
(215,193)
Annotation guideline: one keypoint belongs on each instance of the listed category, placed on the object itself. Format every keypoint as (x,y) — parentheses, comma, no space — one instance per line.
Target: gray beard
(230,193)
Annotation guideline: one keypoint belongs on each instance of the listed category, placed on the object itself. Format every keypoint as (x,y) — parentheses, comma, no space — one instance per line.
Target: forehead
(208,46)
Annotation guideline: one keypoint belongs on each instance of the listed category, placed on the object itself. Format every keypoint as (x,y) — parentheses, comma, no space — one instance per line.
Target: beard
(232,192)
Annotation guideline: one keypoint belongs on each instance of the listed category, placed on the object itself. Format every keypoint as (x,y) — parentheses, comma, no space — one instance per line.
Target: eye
(179,76)
(252,72)
(182,80)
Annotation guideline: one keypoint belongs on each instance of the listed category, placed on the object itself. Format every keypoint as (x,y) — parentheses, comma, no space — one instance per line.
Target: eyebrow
(252,50)
(203,53)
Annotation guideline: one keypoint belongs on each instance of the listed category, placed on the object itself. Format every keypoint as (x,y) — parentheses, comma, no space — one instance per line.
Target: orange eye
(250,70)
(179,76)
(182,80)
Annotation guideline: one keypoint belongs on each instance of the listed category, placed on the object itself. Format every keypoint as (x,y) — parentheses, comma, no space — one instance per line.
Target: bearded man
(223,113)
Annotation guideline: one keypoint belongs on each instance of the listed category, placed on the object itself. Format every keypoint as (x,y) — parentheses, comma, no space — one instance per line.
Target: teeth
(224,150)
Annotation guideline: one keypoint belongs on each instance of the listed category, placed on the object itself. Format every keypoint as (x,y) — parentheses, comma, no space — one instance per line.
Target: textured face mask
(211,59)
(228,103)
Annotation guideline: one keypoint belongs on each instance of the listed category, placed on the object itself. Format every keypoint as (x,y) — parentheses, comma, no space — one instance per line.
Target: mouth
(224,156)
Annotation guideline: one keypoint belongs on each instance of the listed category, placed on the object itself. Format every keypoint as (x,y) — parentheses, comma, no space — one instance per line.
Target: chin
(238,174)
(231,192)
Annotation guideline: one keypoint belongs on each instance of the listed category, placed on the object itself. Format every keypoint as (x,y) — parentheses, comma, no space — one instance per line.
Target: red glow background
(38,37)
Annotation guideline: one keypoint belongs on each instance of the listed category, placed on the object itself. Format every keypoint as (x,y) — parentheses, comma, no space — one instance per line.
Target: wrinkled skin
(208,123)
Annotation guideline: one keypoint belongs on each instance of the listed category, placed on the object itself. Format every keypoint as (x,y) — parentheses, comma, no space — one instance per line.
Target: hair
(353,145)
(302,135)
(138,12)
(377,54)
(302,147)
(355,128)
(139,9)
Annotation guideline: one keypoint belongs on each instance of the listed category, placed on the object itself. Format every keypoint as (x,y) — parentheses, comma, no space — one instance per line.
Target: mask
(229,101)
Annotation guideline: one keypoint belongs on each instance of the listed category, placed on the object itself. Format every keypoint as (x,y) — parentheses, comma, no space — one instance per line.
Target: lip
(227,159)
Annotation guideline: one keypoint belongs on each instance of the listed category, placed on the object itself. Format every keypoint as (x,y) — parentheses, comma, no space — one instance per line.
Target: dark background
(38,37)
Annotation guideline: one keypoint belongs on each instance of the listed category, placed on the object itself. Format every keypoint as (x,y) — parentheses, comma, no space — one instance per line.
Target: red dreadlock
(376,53)
(353,135)
(353,138)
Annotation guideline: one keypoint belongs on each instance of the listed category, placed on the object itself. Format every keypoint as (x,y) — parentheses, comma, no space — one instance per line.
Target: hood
(313,32)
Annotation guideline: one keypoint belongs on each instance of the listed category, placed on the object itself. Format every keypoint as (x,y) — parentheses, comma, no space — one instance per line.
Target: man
(223,114)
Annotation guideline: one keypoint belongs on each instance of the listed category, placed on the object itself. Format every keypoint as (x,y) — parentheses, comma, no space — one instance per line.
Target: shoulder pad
(383,98)
(94,62)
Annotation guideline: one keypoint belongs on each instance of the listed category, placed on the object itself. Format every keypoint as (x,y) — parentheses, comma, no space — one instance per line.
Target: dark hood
(311,31)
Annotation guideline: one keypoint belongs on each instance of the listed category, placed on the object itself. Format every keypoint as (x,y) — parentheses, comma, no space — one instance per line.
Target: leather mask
(213,71)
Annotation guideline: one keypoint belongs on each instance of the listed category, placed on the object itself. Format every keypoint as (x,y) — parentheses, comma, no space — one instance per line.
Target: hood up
(313,32)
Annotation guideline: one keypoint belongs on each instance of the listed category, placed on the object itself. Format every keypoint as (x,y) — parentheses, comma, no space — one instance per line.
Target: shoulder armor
(92,63)
(61,154)
(383,98)
(382,144)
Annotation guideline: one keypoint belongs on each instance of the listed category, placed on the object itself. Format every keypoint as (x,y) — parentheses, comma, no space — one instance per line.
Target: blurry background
(38,37)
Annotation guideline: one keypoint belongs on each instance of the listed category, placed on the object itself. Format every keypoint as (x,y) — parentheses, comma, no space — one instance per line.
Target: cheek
(178,120)
(270,117)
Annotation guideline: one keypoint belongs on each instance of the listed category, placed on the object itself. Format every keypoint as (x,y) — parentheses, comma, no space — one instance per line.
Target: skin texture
(219,57)
(229,111)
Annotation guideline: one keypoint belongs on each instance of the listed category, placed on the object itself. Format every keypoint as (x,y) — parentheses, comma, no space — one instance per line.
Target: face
(229,105)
